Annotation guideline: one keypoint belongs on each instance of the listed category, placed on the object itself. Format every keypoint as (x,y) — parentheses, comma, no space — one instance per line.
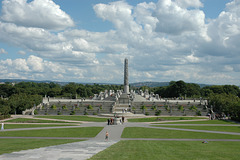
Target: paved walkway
(86,149)
(71,151)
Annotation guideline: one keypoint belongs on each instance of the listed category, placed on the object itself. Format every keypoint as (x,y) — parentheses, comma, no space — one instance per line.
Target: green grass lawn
(202,122)
(75,118)
(140,132)
(13,145)
(30,120)
(209,128)
(170,150)
(68,132)
(12,126)
(155,119)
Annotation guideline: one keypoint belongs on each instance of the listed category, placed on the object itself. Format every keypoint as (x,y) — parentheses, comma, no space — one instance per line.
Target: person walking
(106,136)
(2,128)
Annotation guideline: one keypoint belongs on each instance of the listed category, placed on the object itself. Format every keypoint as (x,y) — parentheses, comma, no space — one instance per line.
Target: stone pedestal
(117,121)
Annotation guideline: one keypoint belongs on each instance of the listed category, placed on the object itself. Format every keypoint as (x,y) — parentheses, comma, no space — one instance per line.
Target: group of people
(110,121)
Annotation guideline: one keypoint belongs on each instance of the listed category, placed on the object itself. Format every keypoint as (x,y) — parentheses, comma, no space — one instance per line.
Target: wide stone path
(71,151)
(86,149)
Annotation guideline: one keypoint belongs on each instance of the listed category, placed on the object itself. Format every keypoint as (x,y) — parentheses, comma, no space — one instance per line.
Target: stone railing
(31,110)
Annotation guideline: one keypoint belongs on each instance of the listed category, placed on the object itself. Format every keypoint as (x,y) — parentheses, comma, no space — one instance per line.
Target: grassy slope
(202,122)
(69,132)
(155,119)
(12,126)
(139,132)
(163,150)
(30,120)
(209,128)
(76,118)
(13,145)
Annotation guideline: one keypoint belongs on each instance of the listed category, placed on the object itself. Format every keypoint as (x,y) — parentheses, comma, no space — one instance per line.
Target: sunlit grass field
(170,150)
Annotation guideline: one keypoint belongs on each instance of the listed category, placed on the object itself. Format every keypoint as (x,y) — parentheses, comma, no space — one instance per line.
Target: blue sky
(87,41)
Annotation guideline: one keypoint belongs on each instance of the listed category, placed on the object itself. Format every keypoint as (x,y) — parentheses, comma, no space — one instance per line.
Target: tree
(21,102)
(4,107)
(70,88)
(193,90)
(177,89)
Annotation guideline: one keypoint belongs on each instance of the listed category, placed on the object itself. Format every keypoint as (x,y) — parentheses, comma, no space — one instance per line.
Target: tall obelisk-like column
(126,84)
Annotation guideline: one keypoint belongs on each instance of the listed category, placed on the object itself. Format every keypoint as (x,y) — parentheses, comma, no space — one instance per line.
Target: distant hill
(137,84)
(149,84)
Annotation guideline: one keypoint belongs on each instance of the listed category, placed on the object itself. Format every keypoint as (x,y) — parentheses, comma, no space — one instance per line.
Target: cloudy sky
(196,41)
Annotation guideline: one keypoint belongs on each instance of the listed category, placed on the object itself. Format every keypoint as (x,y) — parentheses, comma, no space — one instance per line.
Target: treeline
(191,90)
(54,89)
(23,95)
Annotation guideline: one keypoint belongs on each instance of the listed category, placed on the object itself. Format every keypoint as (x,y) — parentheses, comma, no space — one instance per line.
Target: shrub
(4,116)
(193,108)
(85,113)
(154,108)
(59,113)
(198,113)
(167,108)
(89,107)
(157,113)
(144,108)
(94,113)
(72,113)
(146,113)
(64,107)
(181,108)
(54,107)
(35,112)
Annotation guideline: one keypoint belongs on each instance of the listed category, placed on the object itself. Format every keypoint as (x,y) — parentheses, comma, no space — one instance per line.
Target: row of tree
(17,103)
(23,95)
(54,89)
(182,89)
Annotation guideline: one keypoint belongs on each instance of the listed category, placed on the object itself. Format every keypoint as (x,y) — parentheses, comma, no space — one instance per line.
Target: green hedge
(4,116)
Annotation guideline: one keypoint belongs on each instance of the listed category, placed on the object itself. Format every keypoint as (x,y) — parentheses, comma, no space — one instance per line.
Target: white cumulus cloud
(165,40)
(37,13)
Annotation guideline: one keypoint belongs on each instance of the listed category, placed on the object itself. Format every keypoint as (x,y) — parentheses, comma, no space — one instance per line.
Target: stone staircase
(120,108)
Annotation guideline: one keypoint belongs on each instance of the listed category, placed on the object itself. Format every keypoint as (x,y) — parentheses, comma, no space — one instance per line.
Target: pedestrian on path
(106,137)
(2,128)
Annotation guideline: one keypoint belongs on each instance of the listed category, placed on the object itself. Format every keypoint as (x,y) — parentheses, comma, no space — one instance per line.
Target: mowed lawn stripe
(157,119)
(75,118)
(13,126)
(63,132)
(208,128)
(170,150)
(202,122)
(31,120)
(141,132)
(14,145)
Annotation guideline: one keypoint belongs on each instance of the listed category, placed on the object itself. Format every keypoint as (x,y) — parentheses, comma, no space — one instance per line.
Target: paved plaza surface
(86,149)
